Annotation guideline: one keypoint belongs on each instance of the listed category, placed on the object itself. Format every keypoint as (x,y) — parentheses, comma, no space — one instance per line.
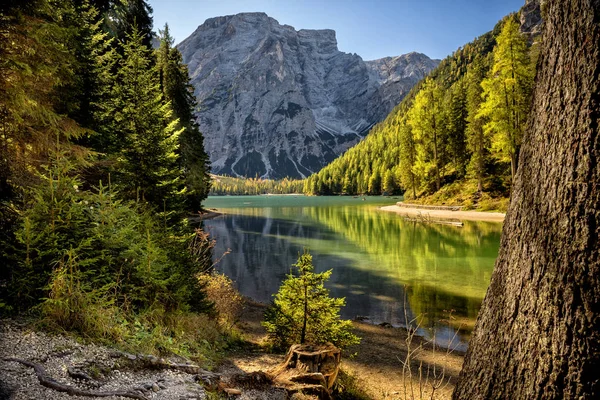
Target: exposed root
(51,383)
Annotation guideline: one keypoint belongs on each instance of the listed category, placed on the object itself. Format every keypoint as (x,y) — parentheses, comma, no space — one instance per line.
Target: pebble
(56,353)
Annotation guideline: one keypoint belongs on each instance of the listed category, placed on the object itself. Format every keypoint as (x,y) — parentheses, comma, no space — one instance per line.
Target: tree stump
(309,367)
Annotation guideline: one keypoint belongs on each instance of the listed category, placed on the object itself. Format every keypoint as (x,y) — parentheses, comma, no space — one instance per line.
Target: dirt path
(377,364)
(446,214)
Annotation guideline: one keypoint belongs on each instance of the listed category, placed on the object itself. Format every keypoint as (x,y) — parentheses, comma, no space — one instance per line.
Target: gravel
(105,367)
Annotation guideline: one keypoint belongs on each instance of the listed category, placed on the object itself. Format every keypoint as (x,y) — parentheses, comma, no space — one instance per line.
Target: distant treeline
(227,185)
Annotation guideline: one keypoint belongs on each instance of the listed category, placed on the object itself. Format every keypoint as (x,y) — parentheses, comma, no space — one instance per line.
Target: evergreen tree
(477,141)
(455,123)
(98,61)
(126,16)
(177,89)
(507,91)
(148,162)
(304,312)
(407,158)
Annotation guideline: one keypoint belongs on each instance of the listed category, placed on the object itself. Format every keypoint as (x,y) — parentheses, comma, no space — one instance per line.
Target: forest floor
(377,363)
(375,366)
(445,214)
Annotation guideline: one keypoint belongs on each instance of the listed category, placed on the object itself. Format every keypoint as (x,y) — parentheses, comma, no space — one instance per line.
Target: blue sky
(370,28)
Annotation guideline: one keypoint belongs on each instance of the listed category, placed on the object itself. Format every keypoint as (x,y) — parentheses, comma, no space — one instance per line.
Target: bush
(227,300)
(106,270)
(304,312)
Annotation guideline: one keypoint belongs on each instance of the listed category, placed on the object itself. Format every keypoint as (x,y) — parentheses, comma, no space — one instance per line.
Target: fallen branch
(51,383)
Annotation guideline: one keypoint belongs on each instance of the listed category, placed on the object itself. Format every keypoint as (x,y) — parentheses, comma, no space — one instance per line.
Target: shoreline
(377,363)
(446,214)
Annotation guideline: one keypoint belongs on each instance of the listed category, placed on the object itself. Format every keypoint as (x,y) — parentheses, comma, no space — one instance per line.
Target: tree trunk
(513,166)
(305,316)
(538,332)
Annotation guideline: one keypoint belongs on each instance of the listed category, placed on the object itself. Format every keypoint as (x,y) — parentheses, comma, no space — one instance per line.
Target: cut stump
(307,366)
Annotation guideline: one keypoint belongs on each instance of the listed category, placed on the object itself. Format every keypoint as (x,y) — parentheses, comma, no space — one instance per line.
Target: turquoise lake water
(388,269)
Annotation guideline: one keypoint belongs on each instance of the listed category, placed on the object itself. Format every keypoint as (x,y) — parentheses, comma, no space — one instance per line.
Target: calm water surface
(383,265)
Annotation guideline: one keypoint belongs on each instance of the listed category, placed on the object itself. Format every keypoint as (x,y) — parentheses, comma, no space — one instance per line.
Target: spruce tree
(177,89)
(304,312)
(126,16)
(148,162)
(477,141)
(408,177)
(455,104)
(98,61)
(424,119)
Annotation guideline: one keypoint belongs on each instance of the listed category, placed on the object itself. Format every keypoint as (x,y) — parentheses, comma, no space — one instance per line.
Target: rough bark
(538,332)
(309,368)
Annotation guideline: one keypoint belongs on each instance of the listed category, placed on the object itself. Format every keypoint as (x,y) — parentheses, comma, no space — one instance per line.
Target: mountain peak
(276,101)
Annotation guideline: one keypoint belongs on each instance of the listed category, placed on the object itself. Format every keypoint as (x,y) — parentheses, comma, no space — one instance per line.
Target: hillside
(444,142)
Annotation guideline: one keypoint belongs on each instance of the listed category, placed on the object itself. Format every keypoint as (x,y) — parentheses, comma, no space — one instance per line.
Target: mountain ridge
(276,101)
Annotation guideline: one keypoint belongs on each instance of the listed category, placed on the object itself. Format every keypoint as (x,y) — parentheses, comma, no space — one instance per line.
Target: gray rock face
(276,102)
(531,17)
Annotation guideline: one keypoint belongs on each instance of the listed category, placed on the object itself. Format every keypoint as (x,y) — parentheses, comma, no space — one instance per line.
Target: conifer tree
(408,177)
(148,162)
(304,312)
(507,92)
(477,141)
(455,124)
(423,118)
(98,61)
(127,16)
(177,89)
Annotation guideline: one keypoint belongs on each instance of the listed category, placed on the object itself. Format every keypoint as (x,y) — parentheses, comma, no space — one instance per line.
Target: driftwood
(51,383)
(429,207)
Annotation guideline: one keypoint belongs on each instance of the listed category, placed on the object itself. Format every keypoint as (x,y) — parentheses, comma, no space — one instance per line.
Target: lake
(388,269)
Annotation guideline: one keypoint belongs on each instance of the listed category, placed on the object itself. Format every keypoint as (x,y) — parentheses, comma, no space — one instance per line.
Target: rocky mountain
(531,17)
(276,102)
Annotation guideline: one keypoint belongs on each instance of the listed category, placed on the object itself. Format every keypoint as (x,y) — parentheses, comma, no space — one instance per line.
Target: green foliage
(125,16)
(114,244)
(81,96)
(443,131)
(226,185)
(148,162)
(507,94)
(423,117)
(177,89)
(304,312)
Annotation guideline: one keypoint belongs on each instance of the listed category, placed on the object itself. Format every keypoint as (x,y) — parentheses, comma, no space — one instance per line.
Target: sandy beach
(446,214)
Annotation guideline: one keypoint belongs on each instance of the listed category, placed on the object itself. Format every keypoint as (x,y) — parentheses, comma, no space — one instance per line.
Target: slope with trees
(100,163)
(459,130)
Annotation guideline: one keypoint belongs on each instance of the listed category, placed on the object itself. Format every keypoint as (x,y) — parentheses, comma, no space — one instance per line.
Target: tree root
(143,361)
(51,383)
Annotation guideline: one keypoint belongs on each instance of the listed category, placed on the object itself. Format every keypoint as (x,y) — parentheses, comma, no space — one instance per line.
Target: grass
(464,193)
(348,387)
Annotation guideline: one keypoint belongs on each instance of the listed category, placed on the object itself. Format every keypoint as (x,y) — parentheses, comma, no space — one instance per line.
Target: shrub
(227,300)
(304,312)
